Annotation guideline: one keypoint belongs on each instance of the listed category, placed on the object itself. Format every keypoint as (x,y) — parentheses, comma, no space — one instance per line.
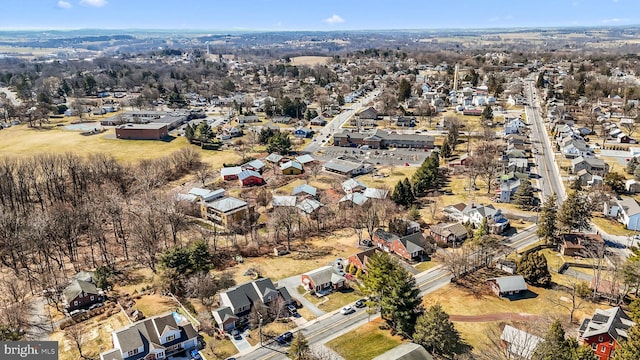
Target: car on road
(636,237)
(360,303)
(347,310)
(195,355)
(284,338)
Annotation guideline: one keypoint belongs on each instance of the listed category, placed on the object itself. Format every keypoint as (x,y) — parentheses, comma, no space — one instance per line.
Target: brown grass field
(309,60)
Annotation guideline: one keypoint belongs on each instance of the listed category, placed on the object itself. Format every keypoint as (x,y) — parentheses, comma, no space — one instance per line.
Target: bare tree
(76,333)
(578,293)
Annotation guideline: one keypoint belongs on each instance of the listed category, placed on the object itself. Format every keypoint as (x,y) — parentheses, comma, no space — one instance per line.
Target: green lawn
(366,342)
(333,301)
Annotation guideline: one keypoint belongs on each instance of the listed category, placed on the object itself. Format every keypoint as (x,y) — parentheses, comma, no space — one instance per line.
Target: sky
(325,15)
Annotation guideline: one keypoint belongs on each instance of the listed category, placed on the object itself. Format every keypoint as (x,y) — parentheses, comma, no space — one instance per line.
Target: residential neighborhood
(322,195)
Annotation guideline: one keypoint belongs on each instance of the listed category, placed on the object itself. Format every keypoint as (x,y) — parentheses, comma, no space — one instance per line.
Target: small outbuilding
(508,285)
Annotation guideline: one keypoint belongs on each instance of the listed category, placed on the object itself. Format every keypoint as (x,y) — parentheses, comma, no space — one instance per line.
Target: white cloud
(335,19)
(64,4)
(614,20)
(94,3)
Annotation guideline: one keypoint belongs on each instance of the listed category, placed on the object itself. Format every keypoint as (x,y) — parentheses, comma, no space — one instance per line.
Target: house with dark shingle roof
(79,294)
(236,302)
(604,331)
(409,247)
(361,259)
(157,337)
(454,233)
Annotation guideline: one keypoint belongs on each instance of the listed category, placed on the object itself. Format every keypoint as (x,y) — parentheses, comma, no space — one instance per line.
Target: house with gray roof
(406,351)
(626,211)
(374,193)
(230,173)
(592,165)
(206,194)
(236,302)
(274,158)
(323,279)
(346,167)
(409,247)
(353,185)
(305,159)
(225,212)
(519,343)
(283,200)
(255,165)
(474,213)
(157,337)
(309,206)
(355,198)
(80,294)
(304,190)
(508,189)
(507,285)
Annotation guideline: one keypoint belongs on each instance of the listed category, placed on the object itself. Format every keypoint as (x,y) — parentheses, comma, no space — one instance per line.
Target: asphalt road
(336,123)
(334,324)
(547,167)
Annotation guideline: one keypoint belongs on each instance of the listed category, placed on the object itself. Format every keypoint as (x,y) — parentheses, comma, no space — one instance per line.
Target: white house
(626,211)
(514,126)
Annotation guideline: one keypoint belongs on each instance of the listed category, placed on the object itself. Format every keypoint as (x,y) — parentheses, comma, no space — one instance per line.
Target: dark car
(285,338)
(236,334)
(292,309)
(360,303)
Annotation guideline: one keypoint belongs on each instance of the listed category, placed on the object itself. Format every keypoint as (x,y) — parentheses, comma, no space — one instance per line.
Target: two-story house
(409,247)
(514,126)
(226,212)
(236,302)
(626,211)
(592,165)
(604,330)
(157,337)
(474,214)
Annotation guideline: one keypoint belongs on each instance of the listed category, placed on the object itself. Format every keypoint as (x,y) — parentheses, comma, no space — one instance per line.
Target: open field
(340,243)
(610,226)
(457,300)
(309,60)
(365,342)
(24,141)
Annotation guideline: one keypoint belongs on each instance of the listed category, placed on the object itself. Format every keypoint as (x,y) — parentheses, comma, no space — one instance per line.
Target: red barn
(250,178)
(604,330)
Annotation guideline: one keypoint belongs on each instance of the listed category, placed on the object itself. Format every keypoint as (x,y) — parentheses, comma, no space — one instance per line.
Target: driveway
(241,344)
(39,320)
(292,283)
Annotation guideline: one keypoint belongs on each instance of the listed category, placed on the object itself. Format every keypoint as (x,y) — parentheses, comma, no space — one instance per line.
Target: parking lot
(398,157)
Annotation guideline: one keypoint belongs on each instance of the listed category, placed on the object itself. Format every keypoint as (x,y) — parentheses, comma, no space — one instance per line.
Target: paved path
(292,283)
(40,326)
(494,317)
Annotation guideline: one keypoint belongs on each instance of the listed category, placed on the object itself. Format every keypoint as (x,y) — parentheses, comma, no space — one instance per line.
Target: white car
(346,310)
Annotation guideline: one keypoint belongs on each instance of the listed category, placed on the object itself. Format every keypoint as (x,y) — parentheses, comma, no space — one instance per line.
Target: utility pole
(260,327)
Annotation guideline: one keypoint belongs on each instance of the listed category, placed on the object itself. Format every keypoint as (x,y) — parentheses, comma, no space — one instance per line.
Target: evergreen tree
(394,291)
(398,194)
(524,195)
(636,173)
(575,212)
(279,143)
(426,176)
(631,165)
(487,113)
(408,195)
(189,132)
(200,257)
(629,349)
(437,333)
(299,349)
(540,81)
(446,150)
(404,90)
(203,132)
(533,267)
(555,346)
(177,258)
(547,228)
